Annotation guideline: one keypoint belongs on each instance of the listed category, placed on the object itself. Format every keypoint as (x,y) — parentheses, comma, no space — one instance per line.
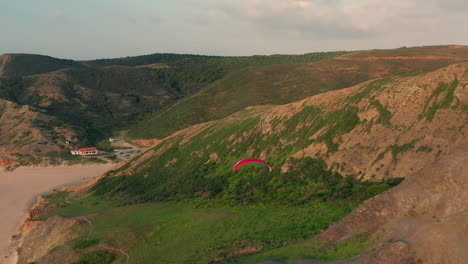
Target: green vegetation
(97,257)
(225,62)
(401,148)
(27,159)
(161,58)
(101,100)
(82,244)
(367,90)
(194,232)
(103,96)
(177,173)
(272,84)
(441,98)
(424,148)
(384,114)
(275,84)
(308,249)
(439,50)
(184,205)
(56,198)
(94,160)
(396,149)
(30,64)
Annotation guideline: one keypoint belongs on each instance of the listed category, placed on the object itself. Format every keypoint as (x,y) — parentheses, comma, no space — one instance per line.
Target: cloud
(339,19)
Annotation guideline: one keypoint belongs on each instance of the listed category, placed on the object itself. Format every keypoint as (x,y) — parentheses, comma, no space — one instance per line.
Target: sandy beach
(19,190)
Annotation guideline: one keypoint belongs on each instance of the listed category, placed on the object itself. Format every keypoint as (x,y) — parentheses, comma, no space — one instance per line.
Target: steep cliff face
(40,238)
(7,164)
(424,217)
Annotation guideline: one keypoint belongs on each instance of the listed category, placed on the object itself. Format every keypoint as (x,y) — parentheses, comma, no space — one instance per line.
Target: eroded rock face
(45,236)
(426,214)
(7,164)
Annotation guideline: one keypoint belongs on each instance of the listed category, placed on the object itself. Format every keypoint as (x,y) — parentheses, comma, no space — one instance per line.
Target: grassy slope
(185,168)
(287,82)
(184,232)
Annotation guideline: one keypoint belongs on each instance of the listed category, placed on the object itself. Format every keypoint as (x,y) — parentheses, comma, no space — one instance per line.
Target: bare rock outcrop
(7,164)
(427,213)
(45,236)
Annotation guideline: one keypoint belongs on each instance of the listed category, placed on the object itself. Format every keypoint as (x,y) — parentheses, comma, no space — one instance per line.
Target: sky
(90,29)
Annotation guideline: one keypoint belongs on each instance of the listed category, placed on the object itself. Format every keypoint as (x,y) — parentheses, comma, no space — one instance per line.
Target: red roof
(86,149)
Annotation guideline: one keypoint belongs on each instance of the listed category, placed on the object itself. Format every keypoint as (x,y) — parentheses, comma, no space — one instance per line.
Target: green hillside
(161,58)
(273,84)
(95,102)
(156,95)
(99,100)
(189,192)
(179,202)
(174,171)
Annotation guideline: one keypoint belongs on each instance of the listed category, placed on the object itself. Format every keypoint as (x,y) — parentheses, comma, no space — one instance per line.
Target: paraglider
(244,161)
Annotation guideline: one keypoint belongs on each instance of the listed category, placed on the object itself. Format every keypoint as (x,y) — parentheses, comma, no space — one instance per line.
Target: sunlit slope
(279,84)
(22,135)
(380,129)
(428,52)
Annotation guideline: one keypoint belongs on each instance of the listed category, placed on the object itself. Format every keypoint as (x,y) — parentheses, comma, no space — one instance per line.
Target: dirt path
(19,189)
(119,250)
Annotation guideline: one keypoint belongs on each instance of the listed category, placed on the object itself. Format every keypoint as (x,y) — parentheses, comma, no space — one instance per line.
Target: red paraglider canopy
(244,161)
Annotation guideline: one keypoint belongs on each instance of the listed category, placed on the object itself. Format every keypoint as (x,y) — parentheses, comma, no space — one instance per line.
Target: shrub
(85,244)
(97,257)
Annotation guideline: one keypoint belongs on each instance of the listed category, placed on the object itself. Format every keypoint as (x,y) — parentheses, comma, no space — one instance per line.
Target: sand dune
(19,189)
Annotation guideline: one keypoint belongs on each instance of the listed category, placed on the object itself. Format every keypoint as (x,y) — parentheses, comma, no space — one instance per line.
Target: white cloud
(232,27)
(337,18)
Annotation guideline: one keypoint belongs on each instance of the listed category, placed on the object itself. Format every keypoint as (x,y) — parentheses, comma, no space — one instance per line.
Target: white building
(85,151)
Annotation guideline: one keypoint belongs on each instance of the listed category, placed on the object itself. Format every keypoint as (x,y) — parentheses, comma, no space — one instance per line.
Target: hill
(30,64)
(27,135)
(179,202)
(103,96)
(97,101)
(289,82)
(158,94)
(157,58)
